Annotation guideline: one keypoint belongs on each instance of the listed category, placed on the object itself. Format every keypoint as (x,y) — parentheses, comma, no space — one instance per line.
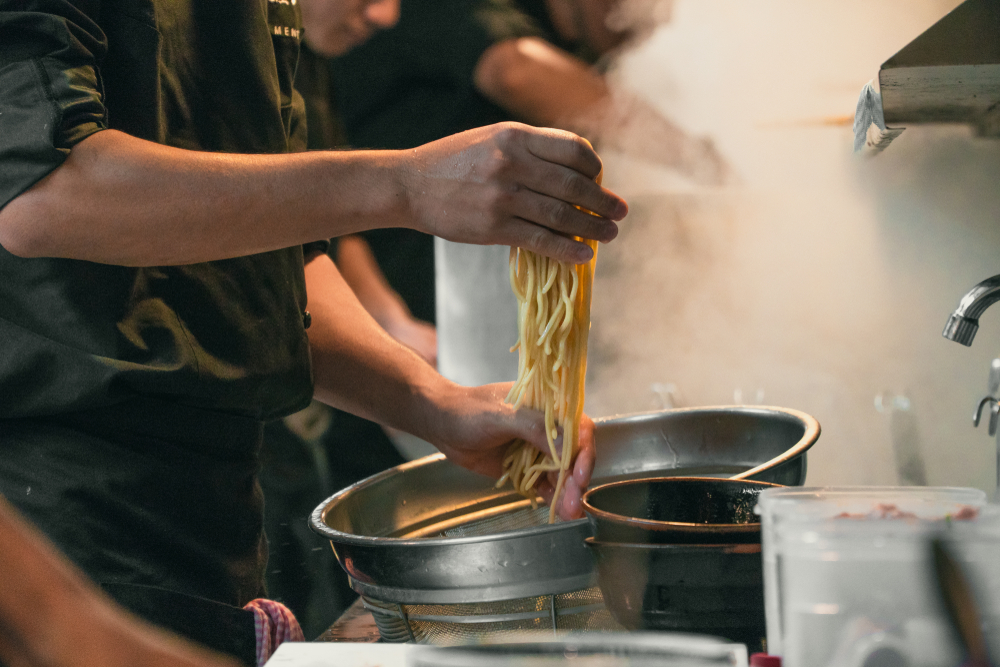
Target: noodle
(553,323)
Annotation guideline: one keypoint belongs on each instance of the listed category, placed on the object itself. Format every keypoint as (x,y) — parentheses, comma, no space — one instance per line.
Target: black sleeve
(311,251)
(435,46)
(50,89)
(489,22)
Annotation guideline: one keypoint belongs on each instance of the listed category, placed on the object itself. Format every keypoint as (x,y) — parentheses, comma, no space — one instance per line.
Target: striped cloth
(275,624)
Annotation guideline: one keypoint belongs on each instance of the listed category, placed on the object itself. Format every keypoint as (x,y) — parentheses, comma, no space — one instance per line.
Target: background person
(450,65)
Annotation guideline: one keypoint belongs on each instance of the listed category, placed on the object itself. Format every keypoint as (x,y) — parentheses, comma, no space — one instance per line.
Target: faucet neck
(964,322)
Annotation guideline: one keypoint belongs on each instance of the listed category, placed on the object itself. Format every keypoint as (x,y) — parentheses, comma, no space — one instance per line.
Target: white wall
(821,280)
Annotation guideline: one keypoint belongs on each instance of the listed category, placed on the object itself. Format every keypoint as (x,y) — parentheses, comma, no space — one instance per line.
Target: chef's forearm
(121,200)
(358,367)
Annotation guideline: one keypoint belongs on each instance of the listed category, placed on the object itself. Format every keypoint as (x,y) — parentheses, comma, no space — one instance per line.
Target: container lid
(876,516)
(811,503)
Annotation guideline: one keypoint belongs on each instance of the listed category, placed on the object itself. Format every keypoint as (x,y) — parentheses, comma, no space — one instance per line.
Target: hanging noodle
(553,322)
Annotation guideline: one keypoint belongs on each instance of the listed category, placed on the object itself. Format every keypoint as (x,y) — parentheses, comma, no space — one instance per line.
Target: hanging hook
(979,412)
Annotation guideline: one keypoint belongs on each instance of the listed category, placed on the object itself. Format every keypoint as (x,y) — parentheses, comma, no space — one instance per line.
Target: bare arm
(361,271)
(587,21)
(51,616)
(361,369)
(543,85)
(121,200)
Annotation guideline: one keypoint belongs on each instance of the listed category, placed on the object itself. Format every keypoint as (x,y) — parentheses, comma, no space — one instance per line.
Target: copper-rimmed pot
(675,510)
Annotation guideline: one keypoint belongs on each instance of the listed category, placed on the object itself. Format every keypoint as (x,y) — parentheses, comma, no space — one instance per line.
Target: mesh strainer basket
(456,624)
(440,555)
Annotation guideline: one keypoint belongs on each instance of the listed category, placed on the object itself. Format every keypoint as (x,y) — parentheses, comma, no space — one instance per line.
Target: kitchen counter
(344,654)
(356,624)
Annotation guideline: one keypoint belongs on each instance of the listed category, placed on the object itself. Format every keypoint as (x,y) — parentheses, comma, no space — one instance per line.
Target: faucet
(962,327)
(964,322)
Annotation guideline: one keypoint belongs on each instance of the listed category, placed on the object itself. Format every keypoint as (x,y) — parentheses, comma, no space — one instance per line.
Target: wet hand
(474,428)
(511,184)
(570,501)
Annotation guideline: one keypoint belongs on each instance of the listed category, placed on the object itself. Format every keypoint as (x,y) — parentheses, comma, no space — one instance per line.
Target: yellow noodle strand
(553,327)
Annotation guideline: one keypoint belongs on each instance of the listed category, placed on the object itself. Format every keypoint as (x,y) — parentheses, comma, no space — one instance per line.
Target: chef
(160,232)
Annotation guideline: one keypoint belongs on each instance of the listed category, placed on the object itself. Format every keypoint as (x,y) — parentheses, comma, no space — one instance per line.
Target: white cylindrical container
(476,313)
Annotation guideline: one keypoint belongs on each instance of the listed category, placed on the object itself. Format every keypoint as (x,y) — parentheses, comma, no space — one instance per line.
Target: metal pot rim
(317,520)
(729,547)
(681,526)
(318,524)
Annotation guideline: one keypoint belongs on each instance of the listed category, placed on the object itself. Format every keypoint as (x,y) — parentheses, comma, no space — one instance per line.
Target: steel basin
(387,530)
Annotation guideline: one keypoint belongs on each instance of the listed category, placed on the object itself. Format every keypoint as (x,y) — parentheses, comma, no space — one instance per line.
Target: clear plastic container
(848,575)
(634,649)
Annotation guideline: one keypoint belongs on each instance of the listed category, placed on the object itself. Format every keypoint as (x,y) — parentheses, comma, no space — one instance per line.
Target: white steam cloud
(821,281)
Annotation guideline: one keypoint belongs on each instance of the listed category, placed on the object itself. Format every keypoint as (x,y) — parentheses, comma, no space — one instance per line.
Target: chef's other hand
(571,499)
(474,428)
(512,184)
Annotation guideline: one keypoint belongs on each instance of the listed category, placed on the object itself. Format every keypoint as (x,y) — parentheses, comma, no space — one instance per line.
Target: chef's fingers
(570,504)
(573,188)
(543,241)
(561,217)
(565,148)
(545,488)
(586,458)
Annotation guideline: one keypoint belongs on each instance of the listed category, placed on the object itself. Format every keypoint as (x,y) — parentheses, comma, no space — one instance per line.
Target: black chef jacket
(132,399)
(412,84)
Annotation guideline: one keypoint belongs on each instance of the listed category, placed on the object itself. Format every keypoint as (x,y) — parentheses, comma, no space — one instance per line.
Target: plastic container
(636,649)
(848,575)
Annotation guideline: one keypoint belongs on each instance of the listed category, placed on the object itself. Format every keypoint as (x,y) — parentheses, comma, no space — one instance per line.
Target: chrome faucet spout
(964,322)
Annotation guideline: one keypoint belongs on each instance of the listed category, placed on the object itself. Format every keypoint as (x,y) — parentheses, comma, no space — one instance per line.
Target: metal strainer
(440,555)
(456,624)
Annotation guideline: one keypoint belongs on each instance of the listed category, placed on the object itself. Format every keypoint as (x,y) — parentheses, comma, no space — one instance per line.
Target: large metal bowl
(430,532)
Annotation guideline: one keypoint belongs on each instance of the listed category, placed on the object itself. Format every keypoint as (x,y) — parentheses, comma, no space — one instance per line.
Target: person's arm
(121,200)
(359,368)
(361,271)
(52,616)
(586,21)
(545,86)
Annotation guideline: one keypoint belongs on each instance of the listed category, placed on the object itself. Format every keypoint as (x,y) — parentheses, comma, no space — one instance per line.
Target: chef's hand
(474,428)
(570,500)
(512,184)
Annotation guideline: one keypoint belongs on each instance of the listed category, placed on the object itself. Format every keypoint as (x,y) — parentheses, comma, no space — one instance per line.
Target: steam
(820,281)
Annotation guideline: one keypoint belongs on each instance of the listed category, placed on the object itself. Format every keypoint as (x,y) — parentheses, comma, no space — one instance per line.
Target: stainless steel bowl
(429,532)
